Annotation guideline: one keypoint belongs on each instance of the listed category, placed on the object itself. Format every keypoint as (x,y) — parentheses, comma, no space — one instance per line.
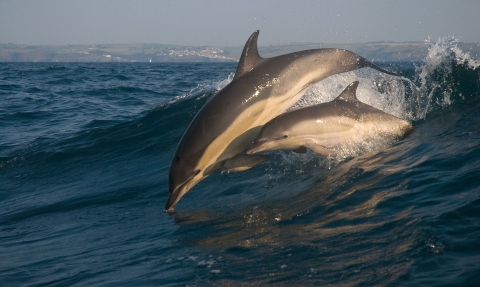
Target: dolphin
(261,89)
(328,125)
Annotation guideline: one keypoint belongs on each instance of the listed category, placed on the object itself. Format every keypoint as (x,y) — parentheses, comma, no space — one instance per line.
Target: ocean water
(85,151)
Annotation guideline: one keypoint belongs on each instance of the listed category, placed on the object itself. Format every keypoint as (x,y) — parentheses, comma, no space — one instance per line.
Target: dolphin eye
(285,136)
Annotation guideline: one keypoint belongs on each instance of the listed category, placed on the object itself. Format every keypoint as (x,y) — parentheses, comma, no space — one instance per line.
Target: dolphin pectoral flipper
(318,149)
(241,162)
(301,149)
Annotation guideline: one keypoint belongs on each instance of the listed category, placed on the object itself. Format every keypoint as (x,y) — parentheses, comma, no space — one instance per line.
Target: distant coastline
(377,51)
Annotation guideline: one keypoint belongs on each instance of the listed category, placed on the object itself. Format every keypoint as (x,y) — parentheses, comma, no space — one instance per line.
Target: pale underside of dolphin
(324,127)
(261,89)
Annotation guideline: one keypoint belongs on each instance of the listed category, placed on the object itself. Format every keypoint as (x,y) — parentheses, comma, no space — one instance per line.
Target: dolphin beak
(178,192)
(174,198)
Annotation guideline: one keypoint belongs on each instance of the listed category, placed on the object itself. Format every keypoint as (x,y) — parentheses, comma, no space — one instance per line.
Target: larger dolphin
(260,90)
(326,126)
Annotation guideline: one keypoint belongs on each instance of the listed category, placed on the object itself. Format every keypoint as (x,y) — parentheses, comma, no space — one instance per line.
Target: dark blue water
(84,157)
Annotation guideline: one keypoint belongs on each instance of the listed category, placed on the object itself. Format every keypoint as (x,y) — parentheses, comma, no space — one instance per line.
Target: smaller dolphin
(323,127)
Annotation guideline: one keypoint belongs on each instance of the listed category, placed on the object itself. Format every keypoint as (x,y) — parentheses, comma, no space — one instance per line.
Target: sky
(230,23)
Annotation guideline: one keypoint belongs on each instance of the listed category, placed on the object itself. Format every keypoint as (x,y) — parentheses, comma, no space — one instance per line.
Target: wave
(447,78)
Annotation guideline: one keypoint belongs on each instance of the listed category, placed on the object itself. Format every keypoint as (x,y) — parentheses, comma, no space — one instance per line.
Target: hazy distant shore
(378,51)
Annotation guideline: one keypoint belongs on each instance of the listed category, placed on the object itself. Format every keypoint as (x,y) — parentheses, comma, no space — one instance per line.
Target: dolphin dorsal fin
(349,94)
(250,56)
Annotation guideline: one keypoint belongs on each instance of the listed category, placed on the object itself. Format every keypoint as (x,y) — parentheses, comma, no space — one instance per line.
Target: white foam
(223,83)
(438,63)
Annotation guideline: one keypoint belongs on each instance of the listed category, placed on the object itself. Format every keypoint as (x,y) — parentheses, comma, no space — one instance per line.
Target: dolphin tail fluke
(242,162)
(301,149)
(368,64)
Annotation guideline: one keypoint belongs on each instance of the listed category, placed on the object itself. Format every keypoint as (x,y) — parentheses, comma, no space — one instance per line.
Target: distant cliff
(114,53)
(379,51)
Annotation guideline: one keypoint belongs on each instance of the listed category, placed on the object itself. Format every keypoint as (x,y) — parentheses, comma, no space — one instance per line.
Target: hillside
(380,51)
